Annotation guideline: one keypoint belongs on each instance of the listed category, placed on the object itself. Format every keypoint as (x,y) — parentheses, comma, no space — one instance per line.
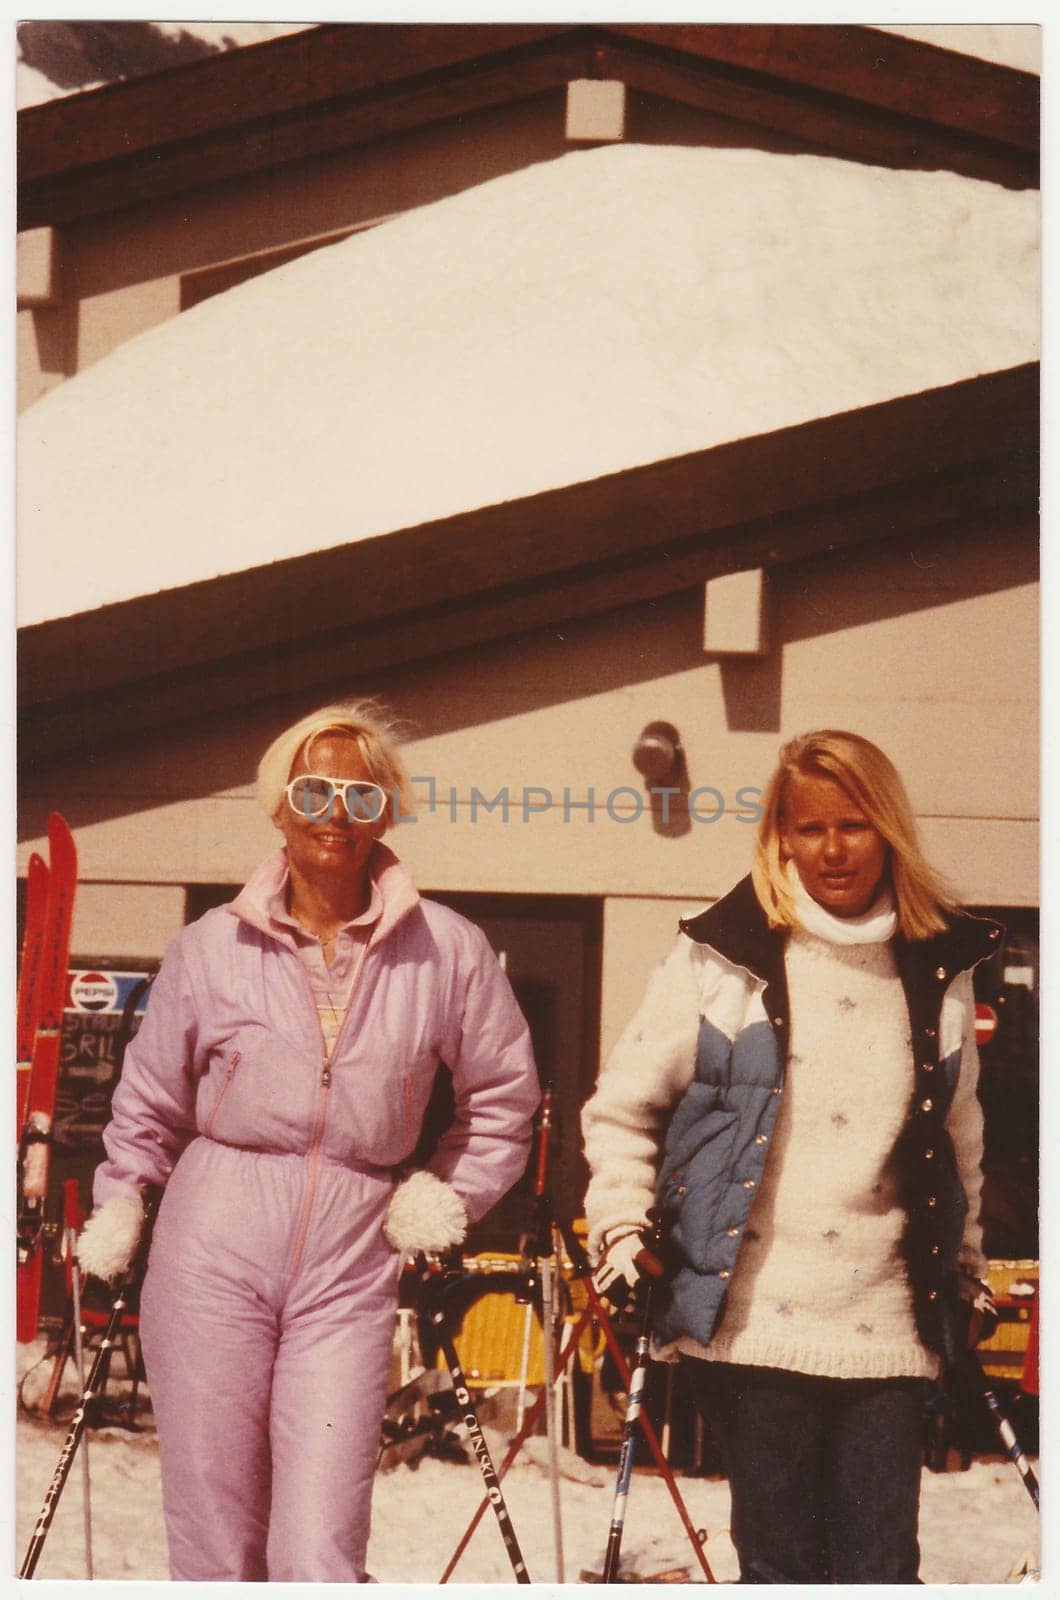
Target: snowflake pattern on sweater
(820,1285)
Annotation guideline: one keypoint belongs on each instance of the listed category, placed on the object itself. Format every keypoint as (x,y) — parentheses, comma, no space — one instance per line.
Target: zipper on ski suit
(229,1075)
(317,1139)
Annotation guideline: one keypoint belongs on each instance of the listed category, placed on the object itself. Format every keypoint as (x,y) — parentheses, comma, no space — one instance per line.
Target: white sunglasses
(313,796)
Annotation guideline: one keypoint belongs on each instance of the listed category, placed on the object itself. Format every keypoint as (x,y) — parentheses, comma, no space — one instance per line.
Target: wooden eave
(850,90)
(959,455)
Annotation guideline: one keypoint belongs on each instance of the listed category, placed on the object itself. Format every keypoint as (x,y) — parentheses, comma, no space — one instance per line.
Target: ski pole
(524,1364)
(1006,1432)
(652,1268)
(79,1358)
(546,1252)
(74,1219)
(547,1314)
(96,1380)
(519,1440)
(583,1272)
(436,1316)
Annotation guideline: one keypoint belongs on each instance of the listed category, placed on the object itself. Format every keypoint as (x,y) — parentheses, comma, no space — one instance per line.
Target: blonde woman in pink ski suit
(279,1078)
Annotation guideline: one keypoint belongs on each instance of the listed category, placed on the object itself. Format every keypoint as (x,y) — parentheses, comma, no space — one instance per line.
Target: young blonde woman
(276,1088)
(797,1094)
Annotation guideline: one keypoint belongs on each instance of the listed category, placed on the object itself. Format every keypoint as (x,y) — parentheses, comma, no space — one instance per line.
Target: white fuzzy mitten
(424,1214)
(110,1237)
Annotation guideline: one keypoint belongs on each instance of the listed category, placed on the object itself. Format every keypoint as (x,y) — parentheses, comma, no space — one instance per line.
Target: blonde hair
(377,735)
(872,782)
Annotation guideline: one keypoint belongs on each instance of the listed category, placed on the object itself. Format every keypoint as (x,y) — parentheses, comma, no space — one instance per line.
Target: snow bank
(611,308)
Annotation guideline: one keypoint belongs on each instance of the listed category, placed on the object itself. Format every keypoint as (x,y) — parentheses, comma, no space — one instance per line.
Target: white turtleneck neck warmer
(873,926)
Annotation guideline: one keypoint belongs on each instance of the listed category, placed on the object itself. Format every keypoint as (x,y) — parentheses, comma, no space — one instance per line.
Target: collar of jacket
(736,927)
(388,872)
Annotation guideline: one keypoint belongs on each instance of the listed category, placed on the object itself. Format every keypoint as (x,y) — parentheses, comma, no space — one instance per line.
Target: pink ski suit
(267,1313)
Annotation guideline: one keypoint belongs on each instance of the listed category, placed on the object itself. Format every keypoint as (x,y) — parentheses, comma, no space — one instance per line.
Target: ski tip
(61,841)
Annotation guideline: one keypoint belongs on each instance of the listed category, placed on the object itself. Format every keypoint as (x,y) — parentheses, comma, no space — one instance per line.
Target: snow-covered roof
(608,309)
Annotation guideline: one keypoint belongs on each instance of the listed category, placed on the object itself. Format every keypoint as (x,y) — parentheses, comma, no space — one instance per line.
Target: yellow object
(496,1328)
(1013,1284)
(491,1340)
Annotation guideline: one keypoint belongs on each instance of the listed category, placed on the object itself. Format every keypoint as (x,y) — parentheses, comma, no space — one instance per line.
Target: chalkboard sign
(104,1007)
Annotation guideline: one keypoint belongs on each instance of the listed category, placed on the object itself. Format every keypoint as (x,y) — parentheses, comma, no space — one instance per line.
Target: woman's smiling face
(334,844)
(841,857)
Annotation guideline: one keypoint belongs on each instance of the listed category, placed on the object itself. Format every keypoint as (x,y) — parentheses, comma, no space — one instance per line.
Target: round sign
(93,991)
(985,1023)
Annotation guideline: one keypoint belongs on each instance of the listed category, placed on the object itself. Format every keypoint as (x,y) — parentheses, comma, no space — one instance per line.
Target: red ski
(36,1135)
(29,981)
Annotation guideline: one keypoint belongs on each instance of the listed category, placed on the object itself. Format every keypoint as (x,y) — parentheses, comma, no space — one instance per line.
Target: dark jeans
(824,1472)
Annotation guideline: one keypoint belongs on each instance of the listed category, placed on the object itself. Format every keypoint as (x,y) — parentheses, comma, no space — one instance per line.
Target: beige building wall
(929,649)
(125,919)
(638,934)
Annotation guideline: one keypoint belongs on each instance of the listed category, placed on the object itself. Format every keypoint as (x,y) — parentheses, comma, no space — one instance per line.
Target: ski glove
(623,1266)
(110,1237)
(977,1308)
(425,1214)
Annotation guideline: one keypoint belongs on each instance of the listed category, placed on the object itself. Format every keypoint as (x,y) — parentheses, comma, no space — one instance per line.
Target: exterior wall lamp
(658,754)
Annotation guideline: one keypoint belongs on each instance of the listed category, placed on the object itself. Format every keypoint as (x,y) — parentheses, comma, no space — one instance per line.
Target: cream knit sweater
(819,1285)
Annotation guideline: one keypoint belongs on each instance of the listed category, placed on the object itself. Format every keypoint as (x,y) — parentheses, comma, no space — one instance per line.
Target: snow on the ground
(976,1526)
